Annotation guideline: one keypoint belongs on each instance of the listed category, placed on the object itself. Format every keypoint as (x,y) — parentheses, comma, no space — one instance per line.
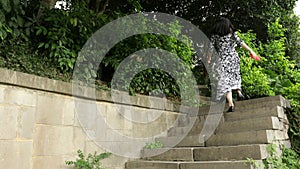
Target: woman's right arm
(252,53)
(245,46)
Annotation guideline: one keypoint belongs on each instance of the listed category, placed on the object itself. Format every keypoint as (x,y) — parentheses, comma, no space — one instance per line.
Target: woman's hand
(254,56)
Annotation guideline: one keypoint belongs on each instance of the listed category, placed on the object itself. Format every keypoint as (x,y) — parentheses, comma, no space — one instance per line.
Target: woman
(227,64)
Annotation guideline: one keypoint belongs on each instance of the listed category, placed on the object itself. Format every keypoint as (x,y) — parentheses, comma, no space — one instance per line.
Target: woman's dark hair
(222,27)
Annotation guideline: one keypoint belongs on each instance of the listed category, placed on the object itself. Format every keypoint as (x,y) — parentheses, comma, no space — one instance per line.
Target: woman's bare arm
(245,46)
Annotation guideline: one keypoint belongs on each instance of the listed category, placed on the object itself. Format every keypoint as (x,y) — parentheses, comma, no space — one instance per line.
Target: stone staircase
(242,134)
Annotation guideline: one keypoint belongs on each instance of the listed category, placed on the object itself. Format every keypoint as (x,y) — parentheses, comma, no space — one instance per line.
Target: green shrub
(61,39)
(154,145)
(92,161)
(152,79)
(288,160)
(275,74)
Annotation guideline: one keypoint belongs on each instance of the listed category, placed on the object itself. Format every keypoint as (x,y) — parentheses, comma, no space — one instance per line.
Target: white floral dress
(226,65)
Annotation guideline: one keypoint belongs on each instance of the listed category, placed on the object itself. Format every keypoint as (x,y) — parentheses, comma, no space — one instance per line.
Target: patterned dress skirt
(227,75)
(226,66)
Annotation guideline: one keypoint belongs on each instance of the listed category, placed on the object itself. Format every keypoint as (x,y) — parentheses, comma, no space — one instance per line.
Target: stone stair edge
(184,165)
(273,124)
(206,147)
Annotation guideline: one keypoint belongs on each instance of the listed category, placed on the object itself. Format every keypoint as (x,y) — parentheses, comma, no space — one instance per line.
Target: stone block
(52,162)
(169,106)
(152,129)
(50,109)
(115,117)
(171,118)
(27,119)
(157,103)
(20,96)
(112,161)
(281,135)
(143,101)
(192,141)
(80,137)
(102,108)
(69,111)
(91,147)
(2,89)
(15,154)
(86,113)
(193,130)
(53,140)
(102,95)
(8,122)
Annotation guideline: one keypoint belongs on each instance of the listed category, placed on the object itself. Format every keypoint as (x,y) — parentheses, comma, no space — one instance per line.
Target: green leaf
(6,5)
(20,21)
(38,32)
(53,46)
(27,32)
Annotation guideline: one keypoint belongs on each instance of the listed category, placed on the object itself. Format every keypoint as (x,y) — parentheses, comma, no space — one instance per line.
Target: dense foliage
(245,15)
(288,159)
(152,81)
(275,74)
(39,39)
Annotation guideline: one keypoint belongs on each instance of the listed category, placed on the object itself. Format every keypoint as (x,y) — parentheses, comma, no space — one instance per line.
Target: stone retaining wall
(39,128)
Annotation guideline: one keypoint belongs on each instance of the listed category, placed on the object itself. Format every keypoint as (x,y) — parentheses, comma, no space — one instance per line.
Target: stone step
(193,125)
(221,153)
(252,104)
(276,111)
(152,165)
(188,141)
(260,130)
(262,102)
(169,154)
(204,100)
(248,137)
(232,125)
(230,153)
(203,90)
(185,121)
(191,165)
(176,131)
(195,129)
(221,165)
(259,123)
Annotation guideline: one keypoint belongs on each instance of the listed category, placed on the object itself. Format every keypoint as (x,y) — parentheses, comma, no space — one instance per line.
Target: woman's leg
(229,99)
(239,91)
(230,102)
(240,95)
